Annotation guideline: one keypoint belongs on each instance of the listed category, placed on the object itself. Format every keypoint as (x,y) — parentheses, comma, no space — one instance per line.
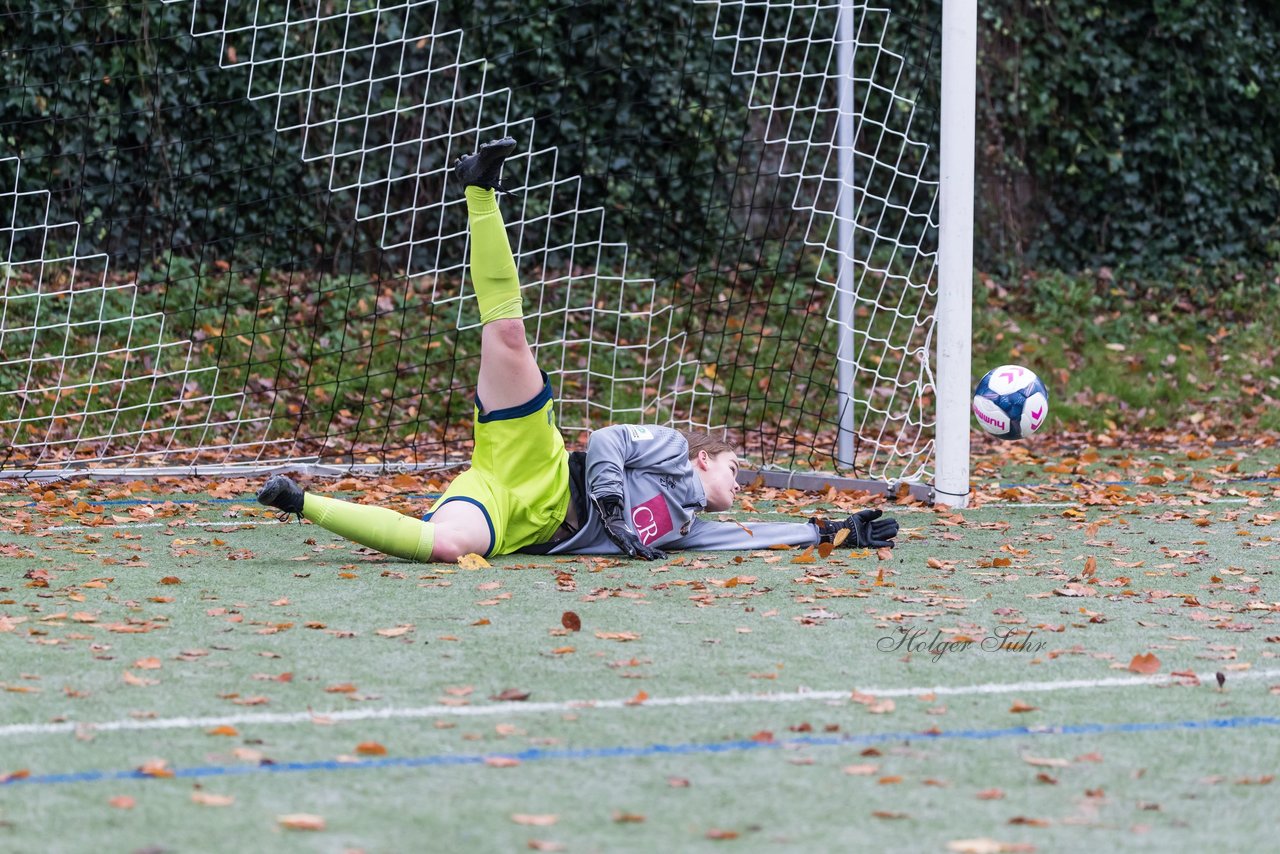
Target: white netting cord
(787,51)
(389,103)
(337,79)
(96,378)
(334,88)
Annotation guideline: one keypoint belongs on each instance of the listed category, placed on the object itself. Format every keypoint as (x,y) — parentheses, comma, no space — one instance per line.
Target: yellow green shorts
(519,475)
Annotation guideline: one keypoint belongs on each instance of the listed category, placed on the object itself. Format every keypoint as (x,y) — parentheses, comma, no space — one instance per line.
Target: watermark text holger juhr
(913,640)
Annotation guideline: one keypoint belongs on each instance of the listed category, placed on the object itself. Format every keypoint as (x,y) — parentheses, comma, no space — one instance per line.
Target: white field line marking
(510,709)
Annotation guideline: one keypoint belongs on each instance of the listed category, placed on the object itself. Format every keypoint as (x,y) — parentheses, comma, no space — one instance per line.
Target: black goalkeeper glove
(866,530)
(614,516)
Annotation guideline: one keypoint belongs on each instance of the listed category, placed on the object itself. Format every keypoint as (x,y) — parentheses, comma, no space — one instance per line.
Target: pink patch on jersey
(652,519)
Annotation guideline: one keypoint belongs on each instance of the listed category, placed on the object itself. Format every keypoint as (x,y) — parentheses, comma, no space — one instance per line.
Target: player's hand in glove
(866,530)
(624,536)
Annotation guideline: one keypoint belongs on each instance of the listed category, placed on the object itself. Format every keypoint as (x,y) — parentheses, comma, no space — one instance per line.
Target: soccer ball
(1010,402)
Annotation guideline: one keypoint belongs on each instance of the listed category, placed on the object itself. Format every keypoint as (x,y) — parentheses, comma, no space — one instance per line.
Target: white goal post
(850,260)
(955,252)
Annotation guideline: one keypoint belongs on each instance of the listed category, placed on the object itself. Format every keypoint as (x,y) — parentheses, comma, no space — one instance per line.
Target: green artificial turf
(237,619)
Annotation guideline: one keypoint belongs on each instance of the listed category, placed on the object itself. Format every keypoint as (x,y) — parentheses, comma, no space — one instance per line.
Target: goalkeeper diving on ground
(637,490)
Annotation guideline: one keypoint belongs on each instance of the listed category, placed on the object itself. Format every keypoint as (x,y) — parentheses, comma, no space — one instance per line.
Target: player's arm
(865,529)
(709,535)
(610,452)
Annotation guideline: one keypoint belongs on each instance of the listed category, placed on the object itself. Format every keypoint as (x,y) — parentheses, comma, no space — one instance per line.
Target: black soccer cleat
(281,493)
(484,168)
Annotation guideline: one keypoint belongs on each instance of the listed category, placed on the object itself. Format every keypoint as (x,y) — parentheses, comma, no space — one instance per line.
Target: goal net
(231,240)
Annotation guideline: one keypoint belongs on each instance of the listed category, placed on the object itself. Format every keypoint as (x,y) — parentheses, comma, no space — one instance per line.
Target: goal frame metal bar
(816,481)
(845,212)
(954,325)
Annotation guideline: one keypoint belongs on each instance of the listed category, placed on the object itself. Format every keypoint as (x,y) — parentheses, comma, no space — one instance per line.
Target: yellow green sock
(376,527)
(493,269)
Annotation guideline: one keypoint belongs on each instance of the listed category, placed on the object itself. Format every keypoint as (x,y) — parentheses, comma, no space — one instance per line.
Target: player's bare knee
(446,548)
(450,545)
(508,334)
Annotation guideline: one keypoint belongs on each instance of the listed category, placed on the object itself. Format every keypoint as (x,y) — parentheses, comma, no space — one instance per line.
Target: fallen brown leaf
(1075,590)
(138,681)
(501,761)
(1045,762)
(1145,664)
(209,799)
(1261,780)
(618,636)
(155,768)
(511,695)
(472,561)
(301,821)
(1030,822)
(865,769)
(535,820)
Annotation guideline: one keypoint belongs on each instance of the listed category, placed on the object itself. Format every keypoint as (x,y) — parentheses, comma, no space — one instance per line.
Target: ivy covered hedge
(142,137)
(1131,133)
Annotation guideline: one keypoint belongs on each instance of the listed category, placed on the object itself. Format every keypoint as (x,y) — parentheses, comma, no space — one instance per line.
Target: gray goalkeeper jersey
(649,467)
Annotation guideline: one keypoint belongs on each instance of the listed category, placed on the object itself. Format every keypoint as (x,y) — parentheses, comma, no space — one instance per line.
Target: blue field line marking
(535,754)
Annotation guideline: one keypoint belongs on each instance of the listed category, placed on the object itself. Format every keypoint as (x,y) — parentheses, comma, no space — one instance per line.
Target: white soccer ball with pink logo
(1010,402)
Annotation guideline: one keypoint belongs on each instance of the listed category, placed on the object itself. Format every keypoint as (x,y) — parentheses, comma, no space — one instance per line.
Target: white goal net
(799,308)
